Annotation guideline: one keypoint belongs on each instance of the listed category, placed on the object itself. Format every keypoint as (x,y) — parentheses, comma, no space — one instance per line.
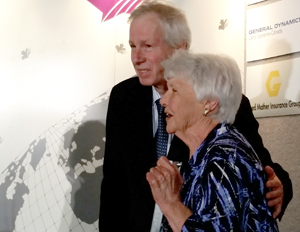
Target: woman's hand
(165,182)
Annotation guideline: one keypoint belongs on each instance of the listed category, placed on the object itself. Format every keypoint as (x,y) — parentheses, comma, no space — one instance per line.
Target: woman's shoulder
(233,147)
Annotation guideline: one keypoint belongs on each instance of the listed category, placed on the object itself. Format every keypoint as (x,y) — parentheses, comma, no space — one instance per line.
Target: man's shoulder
(244,119)
(131,90)
(245,101)
(130,83)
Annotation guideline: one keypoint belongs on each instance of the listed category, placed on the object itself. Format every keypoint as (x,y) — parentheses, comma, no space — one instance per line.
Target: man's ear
(183,46)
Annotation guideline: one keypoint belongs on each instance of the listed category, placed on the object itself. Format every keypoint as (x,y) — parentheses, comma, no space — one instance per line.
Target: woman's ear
(211,105)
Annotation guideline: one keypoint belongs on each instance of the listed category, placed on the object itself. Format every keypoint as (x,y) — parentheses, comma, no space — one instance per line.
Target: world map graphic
(55,184)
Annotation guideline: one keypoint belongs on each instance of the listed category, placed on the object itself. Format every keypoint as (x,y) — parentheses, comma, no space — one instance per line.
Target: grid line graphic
(45,188)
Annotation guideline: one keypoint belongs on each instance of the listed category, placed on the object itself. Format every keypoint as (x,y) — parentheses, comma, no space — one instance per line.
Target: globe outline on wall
(55,184)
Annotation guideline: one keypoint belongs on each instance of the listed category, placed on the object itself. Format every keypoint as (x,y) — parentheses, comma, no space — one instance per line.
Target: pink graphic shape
(112,8)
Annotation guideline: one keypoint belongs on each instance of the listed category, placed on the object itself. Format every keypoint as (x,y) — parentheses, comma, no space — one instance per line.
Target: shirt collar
(155,95)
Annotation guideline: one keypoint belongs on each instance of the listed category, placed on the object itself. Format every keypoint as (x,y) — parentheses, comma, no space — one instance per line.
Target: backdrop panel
(273,30)
(274,89)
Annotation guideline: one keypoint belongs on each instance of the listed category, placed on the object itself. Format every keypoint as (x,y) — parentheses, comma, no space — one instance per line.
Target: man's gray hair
(172,19)
(213,77)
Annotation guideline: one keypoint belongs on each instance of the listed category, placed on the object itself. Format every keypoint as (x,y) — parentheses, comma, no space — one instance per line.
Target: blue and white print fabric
(224,186)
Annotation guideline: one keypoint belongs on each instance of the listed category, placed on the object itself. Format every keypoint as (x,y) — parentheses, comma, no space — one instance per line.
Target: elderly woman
(223,186)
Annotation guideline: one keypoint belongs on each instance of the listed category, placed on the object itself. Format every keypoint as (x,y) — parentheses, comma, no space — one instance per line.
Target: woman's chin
(170,130)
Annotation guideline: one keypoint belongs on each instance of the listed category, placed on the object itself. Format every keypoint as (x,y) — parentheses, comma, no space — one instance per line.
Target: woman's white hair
(213,77)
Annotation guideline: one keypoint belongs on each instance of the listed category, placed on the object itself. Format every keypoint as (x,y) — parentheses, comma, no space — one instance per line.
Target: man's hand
(275,195)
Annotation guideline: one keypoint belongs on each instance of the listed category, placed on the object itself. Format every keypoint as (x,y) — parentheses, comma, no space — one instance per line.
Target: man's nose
(137,56)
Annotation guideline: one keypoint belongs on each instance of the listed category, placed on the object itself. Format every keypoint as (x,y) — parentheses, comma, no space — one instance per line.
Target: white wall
(52,111)
(53,105)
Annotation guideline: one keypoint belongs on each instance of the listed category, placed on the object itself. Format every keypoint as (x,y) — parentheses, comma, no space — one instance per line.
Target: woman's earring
(205,112)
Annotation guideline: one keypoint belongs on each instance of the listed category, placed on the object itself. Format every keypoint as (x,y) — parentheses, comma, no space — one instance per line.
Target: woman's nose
(164,99)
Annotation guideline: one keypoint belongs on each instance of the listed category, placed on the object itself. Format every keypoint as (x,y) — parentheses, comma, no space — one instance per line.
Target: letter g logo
(273,83)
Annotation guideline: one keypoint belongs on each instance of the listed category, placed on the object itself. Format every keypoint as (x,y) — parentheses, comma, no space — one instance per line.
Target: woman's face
(181,106)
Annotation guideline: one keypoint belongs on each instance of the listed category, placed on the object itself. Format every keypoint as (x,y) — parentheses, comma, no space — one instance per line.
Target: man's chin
(145,81)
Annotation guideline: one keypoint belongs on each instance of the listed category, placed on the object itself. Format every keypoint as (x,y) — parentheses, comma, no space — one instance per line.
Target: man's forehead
(149,18)
(147,15)
(146,30)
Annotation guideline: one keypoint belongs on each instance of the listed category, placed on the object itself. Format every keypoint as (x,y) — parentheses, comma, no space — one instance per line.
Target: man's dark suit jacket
(126,202)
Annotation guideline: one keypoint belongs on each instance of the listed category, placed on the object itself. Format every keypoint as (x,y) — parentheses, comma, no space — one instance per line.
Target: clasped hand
(165,182)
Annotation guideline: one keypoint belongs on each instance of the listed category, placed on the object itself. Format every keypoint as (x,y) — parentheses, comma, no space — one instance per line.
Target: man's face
(148,49)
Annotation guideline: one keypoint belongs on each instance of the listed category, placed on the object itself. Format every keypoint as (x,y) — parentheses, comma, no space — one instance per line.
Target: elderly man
(126,203)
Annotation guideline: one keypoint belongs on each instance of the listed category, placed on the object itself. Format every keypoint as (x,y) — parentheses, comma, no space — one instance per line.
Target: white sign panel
(274,89)
(273,30)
